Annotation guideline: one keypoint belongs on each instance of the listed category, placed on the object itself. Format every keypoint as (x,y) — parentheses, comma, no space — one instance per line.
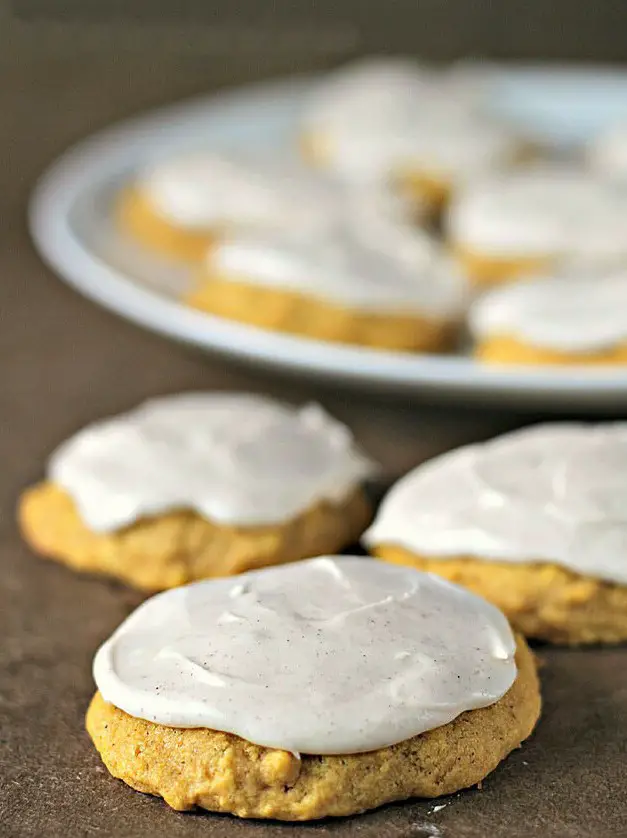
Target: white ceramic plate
(71,224)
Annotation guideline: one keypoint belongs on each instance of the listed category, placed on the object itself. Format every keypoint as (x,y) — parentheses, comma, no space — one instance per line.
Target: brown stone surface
(64,362)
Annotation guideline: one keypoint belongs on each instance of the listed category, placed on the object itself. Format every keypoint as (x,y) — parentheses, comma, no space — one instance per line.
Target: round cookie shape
(434,142)
(576,315)
(232,458)
(357,92)
(204,190)
(382,654)
(381,118)
(214,191)
(370,263)
(546,213)
(553,493)
(607,153)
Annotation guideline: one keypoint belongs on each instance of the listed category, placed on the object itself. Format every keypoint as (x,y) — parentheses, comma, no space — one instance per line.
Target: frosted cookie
(393,120)
(326,687)
(199,485)
(182,206)
(375,281)
(555,320)
(508,225)
(607,153)
(535,521)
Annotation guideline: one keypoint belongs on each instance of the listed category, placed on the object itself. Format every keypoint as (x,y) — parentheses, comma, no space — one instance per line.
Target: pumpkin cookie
(534,521)
(565,319)
(198,485)
(183,206)
(393,120)
(511,224)
(414,688)
(372,280)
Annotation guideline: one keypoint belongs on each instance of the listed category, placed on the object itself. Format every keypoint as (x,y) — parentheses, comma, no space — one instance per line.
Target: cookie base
(220,772)
(180,547)
(505,349)
(135,217)
(426,190)
(285,311)
(542,600)
(484,270)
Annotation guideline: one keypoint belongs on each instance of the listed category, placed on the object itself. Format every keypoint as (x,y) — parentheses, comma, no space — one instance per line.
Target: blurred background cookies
(574,318)
(371,280)
(182,205)
(425,131)
(535,219)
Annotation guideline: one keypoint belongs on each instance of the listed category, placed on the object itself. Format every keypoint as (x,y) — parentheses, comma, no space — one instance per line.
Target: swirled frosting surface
(332,655)
(546,211)
(551,493)
(233,458)
(568,313)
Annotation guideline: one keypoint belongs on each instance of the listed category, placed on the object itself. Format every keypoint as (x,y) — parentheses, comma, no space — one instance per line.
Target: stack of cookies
(273,677)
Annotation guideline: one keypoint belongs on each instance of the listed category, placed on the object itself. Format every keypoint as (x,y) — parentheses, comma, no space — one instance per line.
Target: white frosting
(376,118)
(371,263)
(608,152)
(210,190)
(353,92)
(552,211)
(233,458)
(568,313)
(333,655)
(551,493)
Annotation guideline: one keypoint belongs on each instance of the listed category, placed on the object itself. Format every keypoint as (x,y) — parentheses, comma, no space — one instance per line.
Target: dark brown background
(67,69)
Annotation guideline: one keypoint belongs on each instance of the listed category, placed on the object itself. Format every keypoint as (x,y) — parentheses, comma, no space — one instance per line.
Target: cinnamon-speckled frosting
(335,655)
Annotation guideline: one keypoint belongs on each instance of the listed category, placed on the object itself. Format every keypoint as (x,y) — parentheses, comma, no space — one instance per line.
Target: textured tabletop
(64,362)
